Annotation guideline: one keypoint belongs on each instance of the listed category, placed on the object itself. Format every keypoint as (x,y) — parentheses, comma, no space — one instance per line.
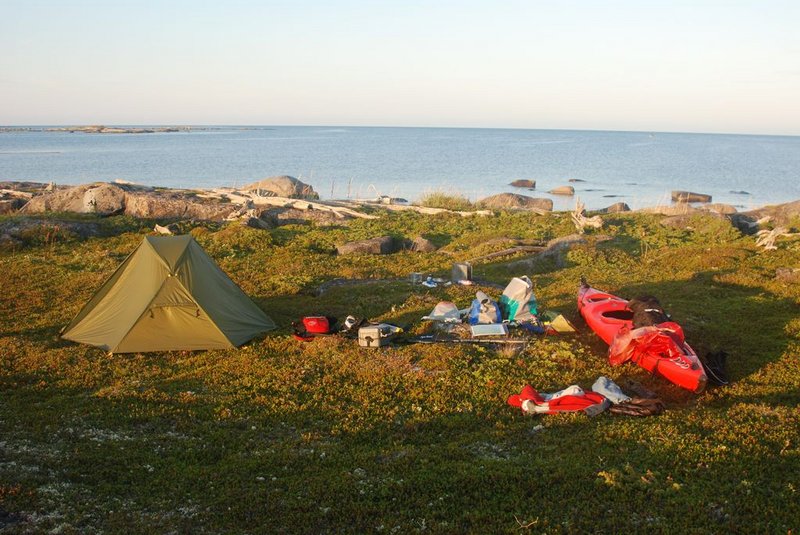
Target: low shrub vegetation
(292,437)
(448,201)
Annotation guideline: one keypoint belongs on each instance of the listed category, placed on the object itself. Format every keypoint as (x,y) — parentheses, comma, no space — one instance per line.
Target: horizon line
(307,125)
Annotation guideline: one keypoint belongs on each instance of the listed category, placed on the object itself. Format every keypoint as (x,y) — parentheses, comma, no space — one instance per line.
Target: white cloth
(610,390)
(573,390)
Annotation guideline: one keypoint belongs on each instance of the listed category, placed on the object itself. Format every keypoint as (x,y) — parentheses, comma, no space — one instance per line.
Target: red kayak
(659,349)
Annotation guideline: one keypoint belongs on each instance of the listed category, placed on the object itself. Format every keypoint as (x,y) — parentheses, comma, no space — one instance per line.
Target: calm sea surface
(638,168)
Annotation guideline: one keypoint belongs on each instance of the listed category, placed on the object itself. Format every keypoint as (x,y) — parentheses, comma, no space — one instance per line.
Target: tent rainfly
(168,295)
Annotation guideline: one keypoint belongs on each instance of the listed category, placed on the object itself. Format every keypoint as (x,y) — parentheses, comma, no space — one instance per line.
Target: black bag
(647,311)
(714,364)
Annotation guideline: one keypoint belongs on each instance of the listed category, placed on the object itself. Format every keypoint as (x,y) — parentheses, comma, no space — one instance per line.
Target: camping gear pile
(516,308)
(488,319)
(368,334)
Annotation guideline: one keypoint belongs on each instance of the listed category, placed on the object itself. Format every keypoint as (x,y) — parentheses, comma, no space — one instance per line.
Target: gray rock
(780,214)
(423,245)
(257,222)
(615,208)
(8,206)
(386,199)
(719,208)
(376,246)
(565,242)
(104,199)
(59,200)
(172,205)
(99,198)
(22,186)
(563,190)
(108,199)
(688,196)
(677,221)
(283,186)
(515,200)
(167,230)
(523,183)
(293,216)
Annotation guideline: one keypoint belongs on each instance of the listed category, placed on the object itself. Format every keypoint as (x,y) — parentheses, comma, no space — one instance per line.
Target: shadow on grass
(748,323)
(484,470)
(439,239)
(48,336)
(371,299)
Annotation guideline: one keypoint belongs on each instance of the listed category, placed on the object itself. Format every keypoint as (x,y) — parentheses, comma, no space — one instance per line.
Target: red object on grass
(310,327)
(563,403)
(317,325)
(659,349)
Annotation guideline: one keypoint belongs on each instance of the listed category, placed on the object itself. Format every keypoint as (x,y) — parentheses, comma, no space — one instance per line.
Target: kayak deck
(665,353)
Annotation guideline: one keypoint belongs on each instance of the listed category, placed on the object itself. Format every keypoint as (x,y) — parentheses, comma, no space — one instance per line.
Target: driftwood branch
(250,198)
(581,221)
(766,238)
(428,210)
(15,193)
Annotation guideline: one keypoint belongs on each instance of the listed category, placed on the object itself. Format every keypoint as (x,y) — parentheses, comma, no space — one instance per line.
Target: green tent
(168,295)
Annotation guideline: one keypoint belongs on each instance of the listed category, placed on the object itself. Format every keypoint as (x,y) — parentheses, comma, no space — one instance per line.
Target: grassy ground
(288,437)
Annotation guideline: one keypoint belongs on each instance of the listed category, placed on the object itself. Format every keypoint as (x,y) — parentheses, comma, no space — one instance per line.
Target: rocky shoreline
(280,200)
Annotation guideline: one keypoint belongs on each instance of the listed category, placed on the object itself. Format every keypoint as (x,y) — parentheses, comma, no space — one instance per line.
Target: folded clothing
(639,407)
(610,390)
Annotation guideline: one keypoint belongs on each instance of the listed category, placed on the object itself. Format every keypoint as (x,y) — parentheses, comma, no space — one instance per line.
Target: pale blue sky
(701,66)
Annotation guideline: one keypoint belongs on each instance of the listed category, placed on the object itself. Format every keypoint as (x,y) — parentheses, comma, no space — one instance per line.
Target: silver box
(375,335)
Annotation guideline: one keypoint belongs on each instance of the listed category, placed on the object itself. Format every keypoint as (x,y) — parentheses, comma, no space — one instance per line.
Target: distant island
(101,129)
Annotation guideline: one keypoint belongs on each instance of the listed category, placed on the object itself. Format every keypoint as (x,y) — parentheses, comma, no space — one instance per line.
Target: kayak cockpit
(623,314)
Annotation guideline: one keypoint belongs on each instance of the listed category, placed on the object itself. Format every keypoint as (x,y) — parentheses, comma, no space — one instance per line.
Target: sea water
(639,168)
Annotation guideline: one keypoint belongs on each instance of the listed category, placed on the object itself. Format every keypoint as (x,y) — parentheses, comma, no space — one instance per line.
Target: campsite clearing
(294,437)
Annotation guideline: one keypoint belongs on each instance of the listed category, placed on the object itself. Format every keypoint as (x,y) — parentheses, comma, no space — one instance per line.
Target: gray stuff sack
(517,301)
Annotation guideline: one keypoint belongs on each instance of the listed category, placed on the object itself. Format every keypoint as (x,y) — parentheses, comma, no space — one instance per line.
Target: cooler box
(376,335)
